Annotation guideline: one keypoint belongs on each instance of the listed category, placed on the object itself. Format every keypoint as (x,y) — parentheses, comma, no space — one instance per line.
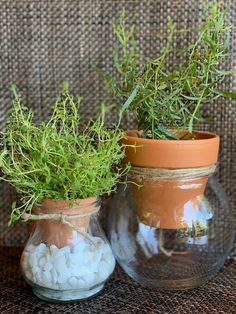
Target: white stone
(93,267)
(36,269)
(73,282)
(47,278)
(73,260)
(79,247)
(97,255)
(107,255)
(89,279)
(53,250)
(33,259)
(48,266)
(79,272)
(60,264)
(81,284)
(42,261)
(49,258)
(41,248)
(62,278)
(104,270)
(37,278)
(88,257)
(54,276)
(65,250)
(109,259)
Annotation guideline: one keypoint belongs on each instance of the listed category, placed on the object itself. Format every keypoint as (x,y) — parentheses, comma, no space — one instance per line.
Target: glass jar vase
(177,250)
(171,227)
(67,256)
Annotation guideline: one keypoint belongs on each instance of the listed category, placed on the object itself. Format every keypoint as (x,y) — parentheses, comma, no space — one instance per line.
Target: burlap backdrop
(43,43)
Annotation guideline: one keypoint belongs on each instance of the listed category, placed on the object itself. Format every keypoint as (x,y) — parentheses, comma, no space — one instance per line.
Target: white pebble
(93,267)
(88,256)
(46,278)
(36,269)
(97,255)
(81,271)
(81,284)
(53,249)
(62,278)
(47,267)
(33,259)
(65,250)
(54,276)
(73,260)
(37,277)
(41,248)
(79,247)
(104,270)
(89,279)
(42,261)
(73,282)
(60,264)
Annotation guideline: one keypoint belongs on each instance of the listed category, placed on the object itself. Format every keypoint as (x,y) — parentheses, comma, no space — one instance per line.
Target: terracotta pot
(56,232)
(165,203)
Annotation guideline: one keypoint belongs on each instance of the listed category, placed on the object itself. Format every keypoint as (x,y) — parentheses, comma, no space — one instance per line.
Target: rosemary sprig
(164,100)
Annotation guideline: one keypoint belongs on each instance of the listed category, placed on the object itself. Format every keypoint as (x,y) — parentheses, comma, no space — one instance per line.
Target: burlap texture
(43,43)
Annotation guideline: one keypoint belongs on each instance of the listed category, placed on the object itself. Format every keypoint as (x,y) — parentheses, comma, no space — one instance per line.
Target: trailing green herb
(59,159)
(163,99)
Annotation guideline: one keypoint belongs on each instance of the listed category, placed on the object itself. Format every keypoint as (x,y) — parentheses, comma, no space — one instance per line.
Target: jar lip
(49,205)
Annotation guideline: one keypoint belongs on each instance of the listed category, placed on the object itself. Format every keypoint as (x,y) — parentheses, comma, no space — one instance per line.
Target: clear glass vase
(171,234)
(67,256)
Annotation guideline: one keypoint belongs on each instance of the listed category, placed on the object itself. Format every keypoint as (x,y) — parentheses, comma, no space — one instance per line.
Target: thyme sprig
(59,158)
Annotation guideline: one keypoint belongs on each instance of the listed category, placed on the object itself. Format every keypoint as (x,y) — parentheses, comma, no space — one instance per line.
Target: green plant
(161,99)
(59,159)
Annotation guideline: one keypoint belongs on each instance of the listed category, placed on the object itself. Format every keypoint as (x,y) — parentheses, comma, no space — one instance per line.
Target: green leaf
(226,94)
(226,72)
(2,155)
(13,205)
(162,86)
(129,100)
(167,132)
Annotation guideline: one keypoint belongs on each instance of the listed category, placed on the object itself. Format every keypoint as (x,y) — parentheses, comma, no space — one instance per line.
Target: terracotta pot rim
(208,138)
(50,205)
(171,154)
